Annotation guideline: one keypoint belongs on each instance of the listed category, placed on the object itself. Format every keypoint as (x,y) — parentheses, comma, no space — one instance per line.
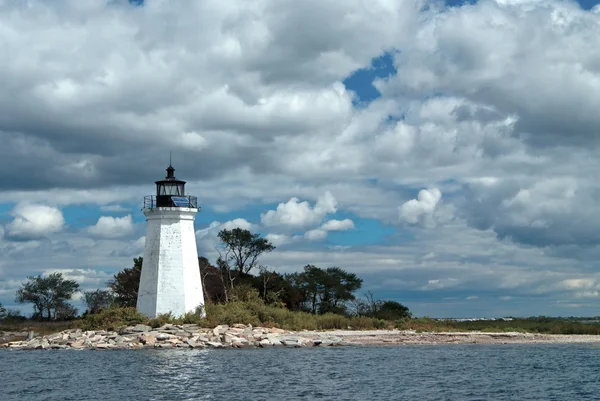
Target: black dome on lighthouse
(170,192)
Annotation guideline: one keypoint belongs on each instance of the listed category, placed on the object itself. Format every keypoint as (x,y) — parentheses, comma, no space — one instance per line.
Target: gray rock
(138,328)
(164,336)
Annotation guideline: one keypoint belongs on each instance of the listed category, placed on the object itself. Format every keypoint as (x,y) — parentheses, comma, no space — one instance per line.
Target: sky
(445,152)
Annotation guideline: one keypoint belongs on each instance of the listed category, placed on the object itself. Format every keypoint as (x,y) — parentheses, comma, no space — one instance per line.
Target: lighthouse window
(171,189)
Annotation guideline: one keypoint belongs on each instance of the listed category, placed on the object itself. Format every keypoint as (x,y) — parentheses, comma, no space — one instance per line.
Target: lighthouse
(170,279)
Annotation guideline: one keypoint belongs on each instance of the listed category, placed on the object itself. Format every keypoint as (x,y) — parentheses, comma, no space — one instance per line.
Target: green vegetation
(311,299)
(49,296)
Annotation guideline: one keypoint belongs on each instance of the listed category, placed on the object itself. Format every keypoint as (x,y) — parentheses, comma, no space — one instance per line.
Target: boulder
(241,344)
(138,328)
(164,336)
(221,329)
(147,339)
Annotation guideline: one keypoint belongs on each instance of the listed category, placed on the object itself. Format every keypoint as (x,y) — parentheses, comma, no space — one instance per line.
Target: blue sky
(446,155)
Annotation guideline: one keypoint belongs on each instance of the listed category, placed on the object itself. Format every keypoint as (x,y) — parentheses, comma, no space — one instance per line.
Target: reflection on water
(451,372)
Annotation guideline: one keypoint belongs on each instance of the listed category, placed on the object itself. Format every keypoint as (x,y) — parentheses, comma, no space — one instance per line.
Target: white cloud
(338,225)
(297,214)
(512,149)
(35,221)
(422,209)
(319,234)
(237,223)
(279,239)
(112,227)
(113,208)
(438,284)
(315,235)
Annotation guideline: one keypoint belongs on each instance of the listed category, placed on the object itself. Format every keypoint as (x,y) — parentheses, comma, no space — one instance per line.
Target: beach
(245,336)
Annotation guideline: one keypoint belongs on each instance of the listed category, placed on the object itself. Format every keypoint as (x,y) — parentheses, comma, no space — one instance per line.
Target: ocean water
(448,372)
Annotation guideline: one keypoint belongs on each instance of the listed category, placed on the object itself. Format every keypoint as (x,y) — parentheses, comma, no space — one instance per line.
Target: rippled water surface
(451,372)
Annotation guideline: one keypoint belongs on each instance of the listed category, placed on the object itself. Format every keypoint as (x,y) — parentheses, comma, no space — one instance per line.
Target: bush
(112,319)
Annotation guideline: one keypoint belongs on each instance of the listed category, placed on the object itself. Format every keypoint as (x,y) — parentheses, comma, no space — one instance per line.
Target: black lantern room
(170,192)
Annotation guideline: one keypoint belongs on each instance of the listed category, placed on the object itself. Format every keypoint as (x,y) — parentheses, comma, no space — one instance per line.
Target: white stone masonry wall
(170,280)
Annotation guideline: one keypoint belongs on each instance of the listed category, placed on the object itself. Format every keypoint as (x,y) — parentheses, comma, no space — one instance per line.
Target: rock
(147,339)
(31,335)
(103,346)
(164,336)
(54,337)
(194,344)
(138,328)
(240,344)
(214,344)
(221,329)
(228,338)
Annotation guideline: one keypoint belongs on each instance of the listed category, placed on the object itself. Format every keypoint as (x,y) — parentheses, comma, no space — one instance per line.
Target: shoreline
(246,336)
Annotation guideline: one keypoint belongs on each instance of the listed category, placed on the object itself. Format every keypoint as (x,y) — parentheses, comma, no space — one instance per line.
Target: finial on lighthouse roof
(170,169)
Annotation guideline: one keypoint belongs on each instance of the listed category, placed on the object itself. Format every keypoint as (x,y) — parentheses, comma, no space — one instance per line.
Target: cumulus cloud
(421,210)
(319,234)
(132,248)
(278,239)
(34,221)
(512,148)
(237,223)
(296,214)
(112,227)
(338,225)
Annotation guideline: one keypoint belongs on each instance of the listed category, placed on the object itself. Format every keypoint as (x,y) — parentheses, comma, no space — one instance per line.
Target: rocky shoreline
(246,336)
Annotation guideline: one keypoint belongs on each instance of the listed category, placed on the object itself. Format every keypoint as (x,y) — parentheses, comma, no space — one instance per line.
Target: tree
(212,282)
(338,288)
(49,296)
(3,312)
(327,290)
(242,249)
(392,310)
(125,284)
(98,300)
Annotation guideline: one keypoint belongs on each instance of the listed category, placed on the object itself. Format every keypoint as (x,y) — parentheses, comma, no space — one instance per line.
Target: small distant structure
(170,279)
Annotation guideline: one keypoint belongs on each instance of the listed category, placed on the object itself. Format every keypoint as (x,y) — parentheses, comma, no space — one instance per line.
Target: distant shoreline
(410,337)
(245,336)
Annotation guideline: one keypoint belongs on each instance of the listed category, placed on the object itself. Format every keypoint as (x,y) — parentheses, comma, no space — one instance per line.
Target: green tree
(242,249)
(392,310)
(327,290)
(338,288)
(98,300)
(49,296)
(125,284)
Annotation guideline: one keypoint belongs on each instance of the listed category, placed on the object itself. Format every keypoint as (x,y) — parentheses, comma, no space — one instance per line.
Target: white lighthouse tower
(170,279)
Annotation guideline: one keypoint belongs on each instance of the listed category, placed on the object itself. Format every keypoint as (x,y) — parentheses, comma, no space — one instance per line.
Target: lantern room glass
(170,188)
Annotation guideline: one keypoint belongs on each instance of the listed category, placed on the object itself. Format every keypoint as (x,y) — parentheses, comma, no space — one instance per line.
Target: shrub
(112,318)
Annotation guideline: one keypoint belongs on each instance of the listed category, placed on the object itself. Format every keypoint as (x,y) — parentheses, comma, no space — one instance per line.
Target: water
(450,372)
